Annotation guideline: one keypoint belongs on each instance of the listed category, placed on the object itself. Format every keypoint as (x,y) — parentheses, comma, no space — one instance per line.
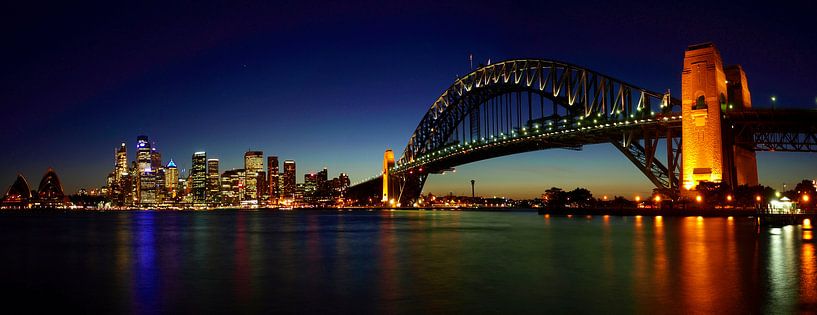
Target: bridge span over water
(710,134)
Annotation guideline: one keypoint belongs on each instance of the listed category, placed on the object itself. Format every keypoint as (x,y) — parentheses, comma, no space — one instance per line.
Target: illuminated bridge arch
(523,105)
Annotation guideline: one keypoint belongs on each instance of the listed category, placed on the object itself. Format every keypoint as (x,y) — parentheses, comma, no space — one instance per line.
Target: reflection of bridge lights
(807,224)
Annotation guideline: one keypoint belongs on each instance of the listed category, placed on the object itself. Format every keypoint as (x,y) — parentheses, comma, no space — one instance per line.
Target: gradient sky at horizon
(333,84)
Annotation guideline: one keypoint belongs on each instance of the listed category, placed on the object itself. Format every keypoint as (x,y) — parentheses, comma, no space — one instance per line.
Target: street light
(698,198)
(774,99)
(805,198)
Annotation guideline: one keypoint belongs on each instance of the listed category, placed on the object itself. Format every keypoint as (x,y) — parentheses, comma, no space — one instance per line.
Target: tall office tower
(147,188)
(161,193)
(289,179)
(322,183)
(281,186)
(199,174)
(171,179)
(155,159)
(121,164)
(310,187)
(343,183)
(272,180)
(253,163)
(213,181)
(261,186)
(232,187)
(143,153)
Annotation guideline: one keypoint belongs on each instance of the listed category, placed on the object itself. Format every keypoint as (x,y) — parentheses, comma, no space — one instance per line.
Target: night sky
(334,84)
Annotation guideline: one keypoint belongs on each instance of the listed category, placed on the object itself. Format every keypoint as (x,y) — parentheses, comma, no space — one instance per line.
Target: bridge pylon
(388,190)
(709,153)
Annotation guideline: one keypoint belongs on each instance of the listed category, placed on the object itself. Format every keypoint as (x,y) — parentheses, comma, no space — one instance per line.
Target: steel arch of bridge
(582,92)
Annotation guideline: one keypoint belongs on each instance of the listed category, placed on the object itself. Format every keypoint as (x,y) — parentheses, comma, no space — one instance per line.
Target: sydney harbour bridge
(710,134)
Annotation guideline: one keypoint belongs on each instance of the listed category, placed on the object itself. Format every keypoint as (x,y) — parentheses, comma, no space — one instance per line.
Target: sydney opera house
(49,193)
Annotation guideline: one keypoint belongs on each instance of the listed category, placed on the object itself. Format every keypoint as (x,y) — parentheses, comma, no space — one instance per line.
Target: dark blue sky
(335,84)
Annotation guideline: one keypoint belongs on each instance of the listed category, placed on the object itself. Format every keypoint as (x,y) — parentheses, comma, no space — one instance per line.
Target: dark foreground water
(400,262)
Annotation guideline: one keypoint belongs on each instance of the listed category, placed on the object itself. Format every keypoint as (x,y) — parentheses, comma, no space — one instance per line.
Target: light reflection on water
(404,262)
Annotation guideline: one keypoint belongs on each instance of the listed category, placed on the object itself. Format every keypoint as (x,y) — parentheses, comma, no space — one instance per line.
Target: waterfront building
(50,193)
(253,163)
(147,188)
(289,179)
(18,195)
(171,179)
(121,166)
(272,180)
(213,181)
(198,175)
(310,188)
(232,187)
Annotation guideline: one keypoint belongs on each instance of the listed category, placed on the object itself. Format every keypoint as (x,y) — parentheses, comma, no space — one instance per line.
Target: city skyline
(243,90)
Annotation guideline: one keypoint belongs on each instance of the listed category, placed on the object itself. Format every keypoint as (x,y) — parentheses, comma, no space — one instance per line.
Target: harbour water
(401,262)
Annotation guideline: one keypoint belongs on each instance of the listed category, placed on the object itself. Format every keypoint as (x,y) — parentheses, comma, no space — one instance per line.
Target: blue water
(400,262)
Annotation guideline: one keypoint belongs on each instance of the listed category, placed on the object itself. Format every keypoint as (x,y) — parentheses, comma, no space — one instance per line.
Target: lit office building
(171,179)
(289,179)
(155,159)
(272,180)
(147,188)
(121,163)
(198,173)
(253,163)
(213,185)
(232,187)
(310,190)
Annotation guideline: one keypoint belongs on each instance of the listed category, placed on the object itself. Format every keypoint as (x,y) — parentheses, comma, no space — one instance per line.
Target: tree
(580,197)
(555,198)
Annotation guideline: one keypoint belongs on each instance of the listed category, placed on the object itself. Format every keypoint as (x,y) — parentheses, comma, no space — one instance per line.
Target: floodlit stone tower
(703,89)
(388,162)
(709,151)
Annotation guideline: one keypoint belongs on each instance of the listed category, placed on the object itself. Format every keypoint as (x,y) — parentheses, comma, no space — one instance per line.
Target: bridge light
(699,199)
(757,198)
(805,198)
(729,198)
(657,198)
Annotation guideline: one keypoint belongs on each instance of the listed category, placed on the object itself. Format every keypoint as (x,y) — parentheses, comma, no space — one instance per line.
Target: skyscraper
(121,163)
(289,179)
(199,178)
(143,153)
(155,159)
(272,181)
(171,179)
(213,181)
(253,163)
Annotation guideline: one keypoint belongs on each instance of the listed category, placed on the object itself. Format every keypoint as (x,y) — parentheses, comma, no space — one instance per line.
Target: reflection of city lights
(807,224)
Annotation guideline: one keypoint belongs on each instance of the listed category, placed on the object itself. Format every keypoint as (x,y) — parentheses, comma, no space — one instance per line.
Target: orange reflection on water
(808,272)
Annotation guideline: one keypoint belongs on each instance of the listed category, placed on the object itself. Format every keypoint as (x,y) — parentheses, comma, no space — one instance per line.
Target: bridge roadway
(783,130)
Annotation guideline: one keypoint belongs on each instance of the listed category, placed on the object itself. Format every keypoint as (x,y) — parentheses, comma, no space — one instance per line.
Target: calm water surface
(400,262)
